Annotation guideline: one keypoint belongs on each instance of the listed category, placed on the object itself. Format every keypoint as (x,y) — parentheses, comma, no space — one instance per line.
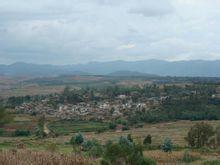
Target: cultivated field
(175,130)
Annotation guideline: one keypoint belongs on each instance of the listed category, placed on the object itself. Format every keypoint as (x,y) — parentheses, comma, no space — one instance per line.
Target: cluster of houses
(103,110)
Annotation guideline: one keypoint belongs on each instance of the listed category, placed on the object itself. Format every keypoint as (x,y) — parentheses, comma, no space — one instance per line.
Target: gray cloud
(152,8)
(79,31)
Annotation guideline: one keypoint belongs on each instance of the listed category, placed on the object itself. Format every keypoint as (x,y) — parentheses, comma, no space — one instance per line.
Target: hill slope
(152,67)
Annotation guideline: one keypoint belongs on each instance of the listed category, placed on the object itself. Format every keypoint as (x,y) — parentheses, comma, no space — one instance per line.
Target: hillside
(152,67)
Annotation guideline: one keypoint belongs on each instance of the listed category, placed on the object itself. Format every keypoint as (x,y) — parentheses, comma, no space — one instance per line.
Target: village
(103,110)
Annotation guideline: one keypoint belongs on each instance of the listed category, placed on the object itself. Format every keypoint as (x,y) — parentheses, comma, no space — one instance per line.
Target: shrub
(77,139)
(4,116)
(147,140)
(112,125)
(104,162)
(96,151)
(1,131)
(125,152)
(186,157)
(40,127)
(167,145)
(129,137)
(125,128)
(199,135)
(22,133)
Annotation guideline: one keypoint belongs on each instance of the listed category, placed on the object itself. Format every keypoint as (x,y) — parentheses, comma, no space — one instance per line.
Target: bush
(4,116)
(186,157)
(129,137)
(77,139)
(104,162)
(96,151)
(125,128)
(112,125)
(40,127)
(22,133)
(1,131)
(147,140)
(125,152)
(167,145)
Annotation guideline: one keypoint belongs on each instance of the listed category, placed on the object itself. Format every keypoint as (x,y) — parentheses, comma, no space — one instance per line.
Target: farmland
(45,116)
(175,130)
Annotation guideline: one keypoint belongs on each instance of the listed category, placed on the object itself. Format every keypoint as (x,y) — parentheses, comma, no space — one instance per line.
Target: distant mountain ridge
(200,68)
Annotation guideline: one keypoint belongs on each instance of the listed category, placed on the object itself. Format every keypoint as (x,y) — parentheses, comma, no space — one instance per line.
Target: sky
(80,31)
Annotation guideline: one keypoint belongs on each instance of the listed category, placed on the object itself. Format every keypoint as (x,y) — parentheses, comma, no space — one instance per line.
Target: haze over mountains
(118,68)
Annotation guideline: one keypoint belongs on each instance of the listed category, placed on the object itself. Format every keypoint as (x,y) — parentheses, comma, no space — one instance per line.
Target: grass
(175,157)
(212,162)
(68,127)
(175,130)
(26,157)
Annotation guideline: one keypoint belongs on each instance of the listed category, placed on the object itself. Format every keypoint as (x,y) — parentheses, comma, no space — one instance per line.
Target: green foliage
(77,139)
(199,135)
(212,162)
(104,162)
(96,151)
(125,151)
(186,157)
(13,101)
(112,125)
(125,128)
(20,132)
(147,140)
(167,145)
(129,137)
(64,127)
(39,132)
(1,131)
(4,116)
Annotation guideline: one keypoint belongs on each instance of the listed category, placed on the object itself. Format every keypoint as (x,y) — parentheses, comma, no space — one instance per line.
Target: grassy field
(68,127)
(174,130)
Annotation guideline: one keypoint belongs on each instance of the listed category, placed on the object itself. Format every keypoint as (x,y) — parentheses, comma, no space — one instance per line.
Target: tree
(167,145)
(112,125)
(199,134)
(147,140)
(129,137)
(77,139)
(4,117)
(125,152)
(40,127)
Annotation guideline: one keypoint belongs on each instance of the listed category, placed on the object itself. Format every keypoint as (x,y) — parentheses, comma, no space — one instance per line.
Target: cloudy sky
(80,31)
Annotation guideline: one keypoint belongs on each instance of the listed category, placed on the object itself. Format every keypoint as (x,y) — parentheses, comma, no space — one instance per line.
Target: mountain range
(192,68)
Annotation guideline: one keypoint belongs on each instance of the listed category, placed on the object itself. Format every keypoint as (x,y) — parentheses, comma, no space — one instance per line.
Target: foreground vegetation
(96,147)
(27,157)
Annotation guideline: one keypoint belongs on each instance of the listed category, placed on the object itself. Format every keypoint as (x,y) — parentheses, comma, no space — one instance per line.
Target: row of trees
(125,150)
